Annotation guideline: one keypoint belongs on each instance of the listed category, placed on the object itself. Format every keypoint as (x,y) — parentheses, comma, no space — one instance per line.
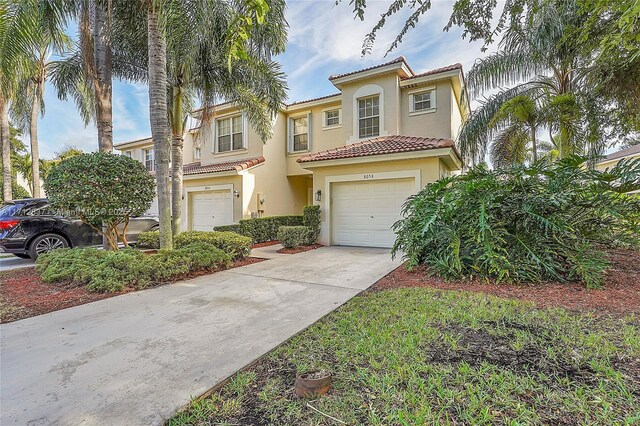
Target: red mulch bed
(300,249)
(23,294)
(265,244)
(619,296)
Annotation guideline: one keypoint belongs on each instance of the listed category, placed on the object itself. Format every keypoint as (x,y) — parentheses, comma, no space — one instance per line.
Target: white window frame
(291,129)
(197,153)
(374,96)
(129,153)
(365,92)
(243,120)
(325,117)
(432,108)
(153,159)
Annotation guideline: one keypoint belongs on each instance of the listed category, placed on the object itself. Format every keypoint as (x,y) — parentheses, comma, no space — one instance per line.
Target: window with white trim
(230,134)
(369,117)
(129,154)
(332,118)
(148,159)
(197,153)
(422,101)
(299,133)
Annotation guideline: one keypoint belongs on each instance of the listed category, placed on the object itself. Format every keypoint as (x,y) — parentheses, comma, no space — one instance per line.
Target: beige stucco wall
(427,169)
(436,124)
(612,163)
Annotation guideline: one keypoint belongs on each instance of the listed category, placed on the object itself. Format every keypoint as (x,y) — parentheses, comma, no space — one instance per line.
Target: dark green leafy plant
(237,246)
(311,219)
(101,188)
(550,221)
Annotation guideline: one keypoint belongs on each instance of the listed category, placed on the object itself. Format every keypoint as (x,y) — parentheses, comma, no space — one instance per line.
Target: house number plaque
(368,176)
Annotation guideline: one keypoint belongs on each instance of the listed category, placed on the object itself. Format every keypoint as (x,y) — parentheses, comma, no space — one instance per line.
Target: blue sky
(324,39)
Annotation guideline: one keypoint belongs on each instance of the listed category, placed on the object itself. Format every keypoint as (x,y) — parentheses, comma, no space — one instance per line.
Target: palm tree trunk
(534,144)
(33,138)
(103,70)
(157,47)
(177,159)
(6,149)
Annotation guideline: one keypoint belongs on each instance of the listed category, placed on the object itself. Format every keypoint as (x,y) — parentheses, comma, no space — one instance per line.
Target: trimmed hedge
(311,219)
(112,271)
(236,245)
(293,236)
(262,229)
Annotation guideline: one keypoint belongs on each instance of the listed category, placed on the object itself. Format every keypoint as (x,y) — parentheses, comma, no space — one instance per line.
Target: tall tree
(157,66)
(103,63)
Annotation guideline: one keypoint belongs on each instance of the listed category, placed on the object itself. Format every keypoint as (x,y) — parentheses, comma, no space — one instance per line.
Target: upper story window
(148,159)
(332,118)
(422,101)
(129,154)
(230,134)
(197,153)
(369,117)
(299,133)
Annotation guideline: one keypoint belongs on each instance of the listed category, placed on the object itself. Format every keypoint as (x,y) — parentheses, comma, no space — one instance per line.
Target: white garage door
(211,208)
(363,212)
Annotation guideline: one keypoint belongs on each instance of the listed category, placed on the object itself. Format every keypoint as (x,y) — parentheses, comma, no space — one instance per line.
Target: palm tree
(537,63)
(157,66)
(196,67)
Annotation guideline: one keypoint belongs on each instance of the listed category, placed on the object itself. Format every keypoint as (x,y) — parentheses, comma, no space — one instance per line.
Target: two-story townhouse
(358,154)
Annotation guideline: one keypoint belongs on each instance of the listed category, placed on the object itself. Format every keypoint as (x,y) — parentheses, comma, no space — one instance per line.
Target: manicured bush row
(236,245)
(293,236)
(112,271)
(266,228)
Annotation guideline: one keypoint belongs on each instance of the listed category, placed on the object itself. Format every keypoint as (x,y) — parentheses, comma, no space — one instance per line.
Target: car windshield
(10,209)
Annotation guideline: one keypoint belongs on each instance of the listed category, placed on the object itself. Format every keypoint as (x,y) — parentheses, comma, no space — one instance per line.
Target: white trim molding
(324,118)
(432,91)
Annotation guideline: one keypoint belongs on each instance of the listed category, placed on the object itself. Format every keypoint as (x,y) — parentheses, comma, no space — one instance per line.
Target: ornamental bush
(311,219)
(293,236)
(101,188)
(238,246)
(550,221)
(262,229)
(112,271)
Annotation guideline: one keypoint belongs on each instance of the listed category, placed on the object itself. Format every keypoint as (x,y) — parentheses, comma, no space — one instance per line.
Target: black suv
(29,228)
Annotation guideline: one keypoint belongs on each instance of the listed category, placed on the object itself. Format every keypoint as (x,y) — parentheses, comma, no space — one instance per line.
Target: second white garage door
(363,212)
(211,208)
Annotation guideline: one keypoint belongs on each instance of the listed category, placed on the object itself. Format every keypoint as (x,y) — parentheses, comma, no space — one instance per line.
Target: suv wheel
(46,243)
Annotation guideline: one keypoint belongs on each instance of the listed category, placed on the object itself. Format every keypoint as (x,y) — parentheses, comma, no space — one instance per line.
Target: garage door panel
(211,208)
(363,212)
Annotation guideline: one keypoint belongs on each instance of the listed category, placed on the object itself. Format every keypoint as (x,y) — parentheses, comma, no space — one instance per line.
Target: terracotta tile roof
(314,99)
(623,153)
(198,169)
(436,71)
(378,146)
(395,61)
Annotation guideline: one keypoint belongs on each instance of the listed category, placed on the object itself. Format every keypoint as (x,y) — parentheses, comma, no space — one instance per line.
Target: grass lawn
(424,356)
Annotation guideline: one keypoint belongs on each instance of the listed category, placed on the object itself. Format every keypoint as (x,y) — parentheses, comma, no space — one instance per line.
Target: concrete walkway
(135,359)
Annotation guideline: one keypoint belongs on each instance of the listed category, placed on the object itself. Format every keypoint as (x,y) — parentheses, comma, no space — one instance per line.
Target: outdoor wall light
(318,195)
(236,193)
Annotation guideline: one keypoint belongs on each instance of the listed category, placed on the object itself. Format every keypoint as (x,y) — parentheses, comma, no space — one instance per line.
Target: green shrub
(546,222)
(112,271)
(149,239)
(229,228)
(311,219)
(266,228)
(293,236)
(238,246)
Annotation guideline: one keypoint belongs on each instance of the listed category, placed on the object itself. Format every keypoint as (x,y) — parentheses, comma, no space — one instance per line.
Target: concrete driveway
(135,359)
(10,262)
